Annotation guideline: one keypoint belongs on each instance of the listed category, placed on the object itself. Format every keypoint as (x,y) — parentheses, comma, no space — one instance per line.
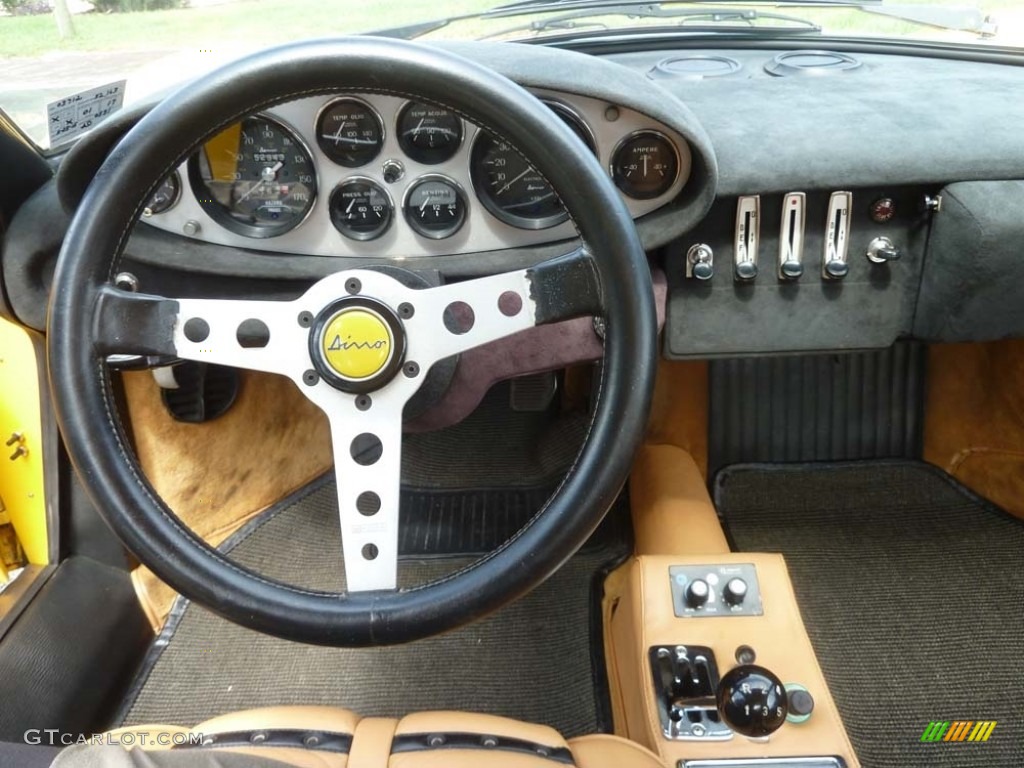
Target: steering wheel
(358,343)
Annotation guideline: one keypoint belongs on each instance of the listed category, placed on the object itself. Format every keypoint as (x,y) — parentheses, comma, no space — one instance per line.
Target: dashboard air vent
(694,67)
(811,63)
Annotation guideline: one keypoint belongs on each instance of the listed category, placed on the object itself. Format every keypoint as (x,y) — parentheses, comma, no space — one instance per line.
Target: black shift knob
(752,700)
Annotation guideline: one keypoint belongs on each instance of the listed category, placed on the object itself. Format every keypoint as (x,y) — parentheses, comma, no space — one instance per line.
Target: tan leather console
(638,614)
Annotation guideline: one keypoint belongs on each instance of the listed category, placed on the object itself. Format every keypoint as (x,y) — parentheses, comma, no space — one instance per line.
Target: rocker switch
(791,237)
(835,265)
(748,232)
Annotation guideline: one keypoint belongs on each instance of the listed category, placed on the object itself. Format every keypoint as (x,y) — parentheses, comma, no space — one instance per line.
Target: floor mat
(532,660)
(912,590)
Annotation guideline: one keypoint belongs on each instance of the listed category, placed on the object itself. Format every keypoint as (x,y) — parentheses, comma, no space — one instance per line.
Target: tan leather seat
(327,737)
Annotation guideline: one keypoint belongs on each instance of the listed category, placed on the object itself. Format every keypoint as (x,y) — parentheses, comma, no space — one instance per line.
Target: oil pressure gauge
(645,165)
(360,209)
(435,207)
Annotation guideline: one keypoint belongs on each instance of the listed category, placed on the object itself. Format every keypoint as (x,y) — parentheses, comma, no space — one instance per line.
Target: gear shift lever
(752,700)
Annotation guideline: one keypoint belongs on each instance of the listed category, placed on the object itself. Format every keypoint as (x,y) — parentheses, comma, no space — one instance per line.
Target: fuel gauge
(435,207)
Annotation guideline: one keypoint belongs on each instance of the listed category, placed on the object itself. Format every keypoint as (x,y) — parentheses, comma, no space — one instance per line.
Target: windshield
(52,49)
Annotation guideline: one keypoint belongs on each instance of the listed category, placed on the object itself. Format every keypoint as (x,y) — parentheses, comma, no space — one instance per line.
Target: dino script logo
(357,343)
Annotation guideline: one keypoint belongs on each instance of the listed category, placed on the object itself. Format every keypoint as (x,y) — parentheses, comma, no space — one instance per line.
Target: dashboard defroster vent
(811,64)
(694,67)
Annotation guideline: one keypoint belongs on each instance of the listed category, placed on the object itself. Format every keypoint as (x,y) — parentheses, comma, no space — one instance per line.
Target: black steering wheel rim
(80,379)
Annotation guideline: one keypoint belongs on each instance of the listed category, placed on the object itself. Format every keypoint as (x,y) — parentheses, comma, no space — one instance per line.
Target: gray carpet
(531,660)
(912,590)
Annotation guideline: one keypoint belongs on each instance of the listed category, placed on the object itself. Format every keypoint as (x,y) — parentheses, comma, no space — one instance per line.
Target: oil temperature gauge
(435,207)
(645,165)
(360,209)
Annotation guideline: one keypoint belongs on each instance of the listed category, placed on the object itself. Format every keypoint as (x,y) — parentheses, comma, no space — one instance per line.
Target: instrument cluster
(384,176)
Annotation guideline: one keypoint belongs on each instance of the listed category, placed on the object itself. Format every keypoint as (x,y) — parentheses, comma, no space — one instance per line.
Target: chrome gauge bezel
(401,144)
(216,212)
(564,113)
(176,178)
(488,202)
(381,126)
(415,226)
(361,236)
(612,162)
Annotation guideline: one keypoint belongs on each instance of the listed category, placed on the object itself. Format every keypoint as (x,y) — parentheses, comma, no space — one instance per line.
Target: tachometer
(512,189)
(255,178)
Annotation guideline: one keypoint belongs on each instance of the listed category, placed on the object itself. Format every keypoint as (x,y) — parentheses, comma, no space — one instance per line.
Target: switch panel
(748,233)
(715,590)
(791,236)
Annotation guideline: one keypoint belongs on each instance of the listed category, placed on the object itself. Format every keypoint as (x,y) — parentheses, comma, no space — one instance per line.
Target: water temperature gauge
(435,207)
(645,165)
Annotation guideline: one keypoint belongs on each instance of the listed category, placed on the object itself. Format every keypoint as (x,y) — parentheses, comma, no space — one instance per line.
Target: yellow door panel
(21,460)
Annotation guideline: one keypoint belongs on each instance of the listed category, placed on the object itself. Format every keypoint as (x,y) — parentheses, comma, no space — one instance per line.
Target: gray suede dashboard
(906,124)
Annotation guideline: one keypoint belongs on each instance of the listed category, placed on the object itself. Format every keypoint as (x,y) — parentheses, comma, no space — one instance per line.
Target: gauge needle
(645,164)
(426,200)
(416,132)
(252,189)
(337,136)
(510,183)
(350,204)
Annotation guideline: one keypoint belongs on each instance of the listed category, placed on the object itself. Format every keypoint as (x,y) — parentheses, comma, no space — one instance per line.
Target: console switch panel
(715,590)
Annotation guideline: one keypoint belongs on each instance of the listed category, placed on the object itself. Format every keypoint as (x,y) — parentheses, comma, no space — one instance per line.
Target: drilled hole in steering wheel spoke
(459,318)
(368,503)
(366,449)
(370,551)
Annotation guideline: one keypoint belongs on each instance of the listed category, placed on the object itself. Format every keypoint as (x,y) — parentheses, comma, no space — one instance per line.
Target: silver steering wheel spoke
(358,344)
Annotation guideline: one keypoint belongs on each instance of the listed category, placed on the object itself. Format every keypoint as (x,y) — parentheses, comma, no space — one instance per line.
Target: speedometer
(512,189)
(255,178)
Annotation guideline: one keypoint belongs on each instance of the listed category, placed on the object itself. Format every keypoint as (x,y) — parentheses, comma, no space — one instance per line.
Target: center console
(708,659)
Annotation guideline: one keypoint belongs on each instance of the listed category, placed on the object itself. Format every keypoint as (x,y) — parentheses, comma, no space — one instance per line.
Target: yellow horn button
(357,343)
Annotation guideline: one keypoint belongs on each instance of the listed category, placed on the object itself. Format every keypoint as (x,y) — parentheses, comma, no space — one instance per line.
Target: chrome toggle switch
(791,238)
(748,232)
(834,265)
(881,250)
(700,262)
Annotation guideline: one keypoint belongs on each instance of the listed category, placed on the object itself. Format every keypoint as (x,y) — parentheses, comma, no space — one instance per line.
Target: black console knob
(735,591)
(752,700)
(697,593)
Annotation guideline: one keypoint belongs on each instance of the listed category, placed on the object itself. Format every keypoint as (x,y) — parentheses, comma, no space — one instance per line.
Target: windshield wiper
(741,20)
